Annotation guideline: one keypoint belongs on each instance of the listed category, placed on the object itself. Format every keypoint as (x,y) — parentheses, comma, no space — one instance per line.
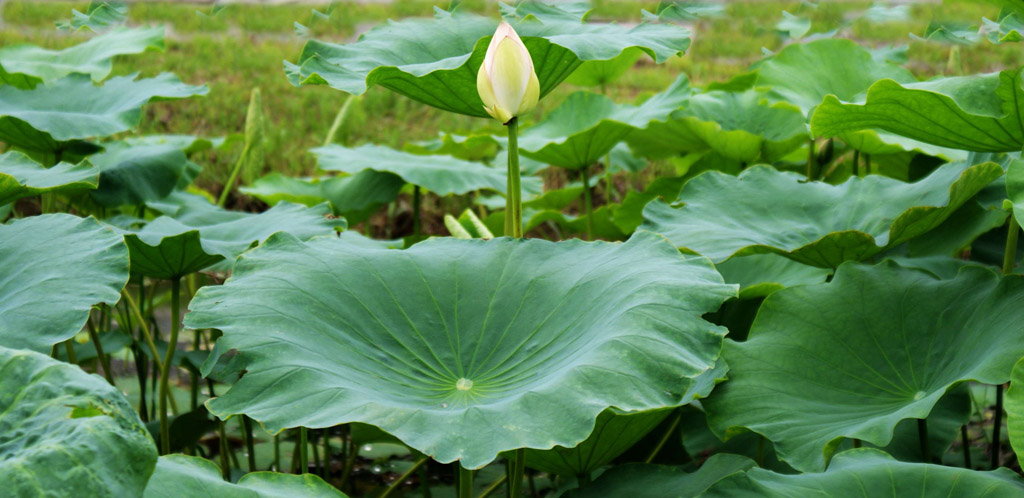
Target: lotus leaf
(172,247)
(182,475)
(463,348)
(586,126)
(20,177)
(354,197)
(131,175)
(764,210)
(662,481)
(441,175)
(25,66)
(981,113)
(870,472)
(64,432)
(55,268)
(742,126)
(72,108)
(98,16)
(435,61)
(838,371)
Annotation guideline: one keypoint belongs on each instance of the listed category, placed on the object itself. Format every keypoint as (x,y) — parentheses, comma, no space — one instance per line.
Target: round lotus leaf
(55,268)
(764,210)
(442,175)
(72,108)
(182,475)
(639,480)
(741,126)
(135,174)
(435,61)
(586,126)
(463,348)
(20,176)
(853,357)
(869,472)
(25,66)
(981,113)
(805,73)
(64,432)
(201,234)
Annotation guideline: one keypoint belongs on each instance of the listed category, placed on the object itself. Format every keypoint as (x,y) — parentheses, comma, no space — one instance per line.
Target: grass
(242,47)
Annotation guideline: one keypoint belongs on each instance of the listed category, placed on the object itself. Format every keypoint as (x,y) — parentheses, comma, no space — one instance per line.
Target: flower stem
(249,446)
(465,482)
(514,196)
(303,452)
(103,360)
(588,203)
(404,477)
(165,372)
(515,484)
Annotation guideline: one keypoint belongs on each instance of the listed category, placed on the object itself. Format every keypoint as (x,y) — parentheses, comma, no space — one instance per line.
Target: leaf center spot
(919,395)
(464,384)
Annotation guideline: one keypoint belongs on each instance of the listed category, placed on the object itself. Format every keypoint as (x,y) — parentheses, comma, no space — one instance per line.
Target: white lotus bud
(507,82)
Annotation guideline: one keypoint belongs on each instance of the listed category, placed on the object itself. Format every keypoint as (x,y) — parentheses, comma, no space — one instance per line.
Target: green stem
(230,184)
(249,446)
(665,437)
(515,485)
(277,453)
(326,469)
(588,203)
(104,360)
(144,328)
(194,375)
(225,465)
(513,198)
(967,446)
(922,439)
(856,163)
(465,481)
(1009,261)
(404,477)
(867,166)
(425,480)
(316,454)
(416,210)
(812,161)
(339,120)
(69,348)
(303,452)
(493,487)
(582,479)
(165,372)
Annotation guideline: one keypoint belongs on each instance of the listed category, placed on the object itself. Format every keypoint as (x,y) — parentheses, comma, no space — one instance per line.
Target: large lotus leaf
(354,197)
(742,126)
(854,357)
(132,175)
(181,475)
(761,274)
(20,176)
(1015,410)
(638,480)
(1015,187)
(435,61)
(55,268)
(64,432)
(764,210)
(586,126)
(869,472)
(463,348)
(602,72)
(98,16)
(614,433)
(72,108)
(174,247)
(804,73)
(880,142)
(442,175)
(981,113)
(25,66)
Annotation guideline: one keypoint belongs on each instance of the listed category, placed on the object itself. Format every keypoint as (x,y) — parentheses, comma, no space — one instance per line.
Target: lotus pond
(802,280)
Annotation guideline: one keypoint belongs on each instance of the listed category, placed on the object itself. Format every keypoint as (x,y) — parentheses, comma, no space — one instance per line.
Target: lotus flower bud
(507,82)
